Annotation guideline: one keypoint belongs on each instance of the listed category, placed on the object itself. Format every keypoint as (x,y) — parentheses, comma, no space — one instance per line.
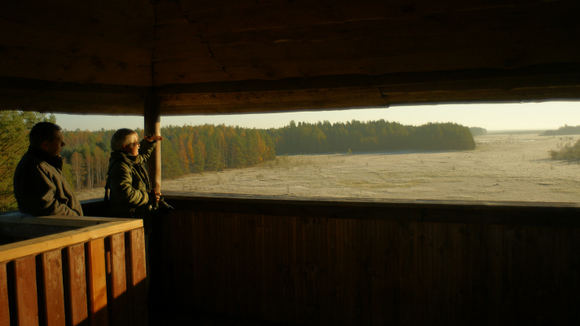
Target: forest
(195,149)
(372,136)
(14,129)
(565,130)
(477,131)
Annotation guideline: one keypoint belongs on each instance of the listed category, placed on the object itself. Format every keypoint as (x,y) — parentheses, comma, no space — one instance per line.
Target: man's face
(54,146)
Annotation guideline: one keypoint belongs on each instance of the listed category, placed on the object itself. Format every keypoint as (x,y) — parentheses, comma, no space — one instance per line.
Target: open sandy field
(503,167)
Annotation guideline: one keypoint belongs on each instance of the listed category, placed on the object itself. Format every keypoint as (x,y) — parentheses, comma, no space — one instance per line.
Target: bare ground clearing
(503,167)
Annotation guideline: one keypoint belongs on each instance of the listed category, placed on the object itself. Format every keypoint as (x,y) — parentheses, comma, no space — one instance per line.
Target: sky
(509,116)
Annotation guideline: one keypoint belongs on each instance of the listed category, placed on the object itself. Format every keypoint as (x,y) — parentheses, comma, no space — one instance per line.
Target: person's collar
(126,157)
(55,161)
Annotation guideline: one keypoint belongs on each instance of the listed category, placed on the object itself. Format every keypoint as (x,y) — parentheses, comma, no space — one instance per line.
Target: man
(39,186)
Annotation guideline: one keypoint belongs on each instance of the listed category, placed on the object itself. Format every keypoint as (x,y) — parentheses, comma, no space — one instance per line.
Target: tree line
(565,130)
(373,136)
(478,131)
(195,149)
(184,150)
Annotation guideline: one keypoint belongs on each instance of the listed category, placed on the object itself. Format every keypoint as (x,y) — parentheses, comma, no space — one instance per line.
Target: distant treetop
(566,130)
(477,131)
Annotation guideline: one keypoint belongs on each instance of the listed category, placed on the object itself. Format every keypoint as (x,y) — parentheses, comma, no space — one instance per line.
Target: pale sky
(511,116)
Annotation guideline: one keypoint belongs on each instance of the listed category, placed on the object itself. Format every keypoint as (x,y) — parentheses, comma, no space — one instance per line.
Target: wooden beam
(81,98)
(535,83)
(152,115)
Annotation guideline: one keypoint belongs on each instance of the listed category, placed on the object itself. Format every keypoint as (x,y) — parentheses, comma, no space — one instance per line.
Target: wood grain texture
(52,277)
(374,263)
(137,277)
(77,285)
(105,58)
(118,301)
(97,282)
(26,291)
(34,246)
(4,302)
(83,43)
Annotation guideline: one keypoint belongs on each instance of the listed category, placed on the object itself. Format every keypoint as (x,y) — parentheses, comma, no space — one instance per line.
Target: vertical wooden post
(77,285)
(137,276)
(26,291)
(152,115)
(4,305)
(53,287)
(97,283)
(118,281)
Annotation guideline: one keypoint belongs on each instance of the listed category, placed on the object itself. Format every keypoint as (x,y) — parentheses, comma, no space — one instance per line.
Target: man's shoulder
(31,162)
(28,161)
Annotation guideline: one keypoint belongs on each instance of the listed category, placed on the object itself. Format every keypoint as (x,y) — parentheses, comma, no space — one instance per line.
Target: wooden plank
(77,221)
(50,242)
(53,288)
(229,17)
(137,272)
(71,101)
(137,266)
(26,291)
(23,227)
(77,285)
(97,282)
(4,303)
(118,280)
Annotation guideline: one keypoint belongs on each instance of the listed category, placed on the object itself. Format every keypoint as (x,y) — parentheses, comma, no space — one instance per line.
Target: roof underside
(230,56)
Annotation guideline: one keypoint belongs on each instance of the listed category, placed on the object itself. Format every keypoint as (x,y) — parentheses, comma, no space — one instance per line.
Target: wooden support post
(152,116)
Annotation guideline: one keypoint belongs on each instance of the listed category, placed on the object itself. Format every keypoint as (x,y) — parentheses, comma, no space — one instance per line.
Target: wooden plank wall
(81,284)
(373,264)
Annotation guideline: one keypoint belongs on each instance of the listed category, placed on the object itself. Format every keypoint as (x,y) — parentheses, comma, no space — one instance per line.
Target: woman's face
(132,148)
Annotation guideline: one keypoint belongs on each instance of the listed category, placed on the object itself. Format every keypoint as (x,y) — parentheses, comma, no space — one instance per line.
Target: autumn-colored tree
(14,129)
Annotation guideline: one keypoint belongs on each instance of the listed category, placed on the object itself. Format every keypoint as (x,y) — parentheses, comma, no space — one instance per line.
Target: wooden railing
(72,271)
(364,263)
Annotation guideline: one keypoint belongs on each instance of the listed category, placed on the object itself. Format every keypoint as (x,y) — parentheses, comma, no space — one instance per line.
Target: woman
(128,189)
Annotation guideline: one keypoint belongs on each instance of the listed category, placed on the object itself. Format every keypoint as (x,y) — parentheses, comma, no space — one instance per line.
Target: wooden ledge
(93,228)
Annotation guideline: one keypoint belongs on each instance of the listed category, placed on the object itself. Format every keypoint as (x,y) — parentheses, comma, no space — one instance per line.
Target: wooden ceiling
(107,56)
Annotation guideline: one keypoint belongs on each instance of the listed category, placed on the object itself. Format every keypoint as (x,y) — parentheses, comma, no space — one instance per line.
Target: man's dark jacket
(128,184)
(41,189)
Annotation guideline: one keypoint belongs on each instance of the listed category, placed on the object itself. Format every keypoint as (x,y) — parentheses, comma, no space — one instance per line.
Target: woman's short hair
(121,138)
(42,131)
